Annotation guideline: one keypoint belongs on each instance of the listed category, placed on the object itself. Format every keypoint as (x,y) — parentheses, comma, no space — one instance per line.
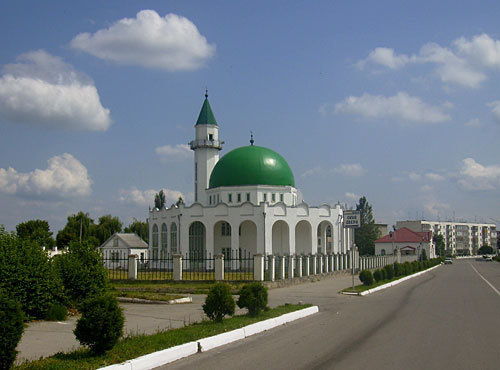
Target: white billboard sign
(352,219)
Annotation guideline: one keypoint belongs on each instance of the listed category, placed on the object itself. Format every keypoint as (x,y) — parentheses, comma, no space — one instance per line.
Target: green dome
(251,165)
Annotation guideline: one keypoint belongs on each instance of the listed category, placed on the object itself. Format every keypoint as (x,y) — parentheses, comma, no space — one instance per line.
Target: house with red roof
(408,242)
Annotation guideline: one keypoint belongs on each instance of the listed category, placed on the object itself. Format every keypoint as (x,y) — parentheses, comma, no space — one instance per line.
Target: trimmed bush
(56,312)
(101,324)
(253,297)
(377,275)
(11,330)
(219,302)
(366,277)
(389,271)
(383,273)
(398,270)
(407,268)
(81,271)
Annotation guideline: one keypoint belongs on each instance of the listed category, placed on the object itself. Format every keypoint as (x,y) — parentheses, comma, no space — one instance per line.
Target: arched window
(173,238)
(164,236)
(196,240)
(155,236)
(382,252)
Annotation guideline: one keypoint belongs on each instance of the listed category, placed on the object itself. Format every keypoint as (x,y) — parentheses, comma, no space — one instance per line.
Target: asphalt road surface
(448,318)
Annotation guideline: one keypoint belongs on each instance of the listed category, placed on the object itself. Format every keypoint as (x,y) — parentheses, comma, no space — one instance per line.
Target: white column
(281,271)
(314,264)
(272,266)
(307,265)
(219,267)
(299,266)
(132,266)
(177,259)
(258,267)
(291,265)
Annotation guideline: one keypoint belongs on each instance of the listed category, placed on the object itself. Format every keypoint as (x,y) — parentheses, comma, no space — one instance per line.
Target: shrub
(423,256)
(11,329)
(398,270)
(82,272)
(219,302)
(56,312)
(27,275)
(366,277)
(383,273)
(253,297)
(389,271)
(377,275)
(101,324)
(407,268)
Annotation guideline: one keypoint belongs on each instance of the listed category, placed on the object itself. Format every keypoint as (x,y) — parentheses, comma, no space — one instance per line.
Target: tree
(80,227)
(179,201)
(439,243)
(140,228)
(366,235)
(37,231)
(485,249)
(107,226)
(160,200)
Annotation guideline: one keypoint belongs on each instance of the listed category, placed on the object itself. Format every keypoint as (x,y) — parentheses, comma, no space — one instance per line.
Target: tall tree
(37,231)
(366,235)
(107,226)
(439,243)
(160,200)
(78,227)
(140,228)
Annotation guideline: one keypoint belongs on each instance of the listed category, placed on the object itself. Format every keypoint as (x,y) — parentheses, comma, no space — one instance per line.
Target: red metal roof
(405,235)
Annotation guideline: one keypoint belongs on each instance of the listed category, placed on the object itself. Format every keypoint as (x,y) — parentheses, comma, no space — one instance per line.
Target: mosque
(245,202)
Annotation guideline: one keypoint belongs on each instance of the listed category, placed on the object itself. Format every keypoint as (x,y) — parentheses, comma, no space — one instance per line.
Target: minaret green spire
(206,116)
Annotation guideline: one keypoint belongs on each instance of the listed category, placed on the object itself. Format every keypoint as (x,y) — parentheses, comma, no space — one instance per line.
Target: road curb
(396,282)
(172,354)
(149,301)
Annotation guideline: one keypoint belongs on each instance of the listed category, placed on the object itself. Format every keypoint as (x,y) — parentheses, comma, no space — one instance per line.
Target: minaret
(206,146)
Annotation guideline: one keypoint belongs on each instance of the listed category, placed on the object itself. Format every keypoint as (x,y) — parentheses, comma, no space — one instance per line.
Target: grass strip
(152,296)
(139,345)
(177,287)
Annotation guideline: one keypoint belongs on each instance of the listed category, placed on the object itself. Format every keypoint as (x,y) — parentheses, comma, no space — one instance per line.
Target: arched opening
(222,239)
(173,238)
(163,241)
(382,252)
(248,238)
(303,237)
(155,242)
(197,243)
(281,238)
(325,237)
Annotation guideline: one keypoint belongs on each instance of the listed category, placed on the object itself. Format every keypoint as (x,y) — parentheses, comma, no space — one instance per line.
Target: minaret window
(211,137)
(230,198)
(248,197)
(273,197)
(265,197)
(239,197)
(281,197)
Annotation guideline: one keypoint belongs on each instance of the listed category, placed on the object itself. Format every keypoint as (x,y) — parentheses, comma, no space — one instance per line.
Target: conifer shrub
(407,268)
(101,324)
(398,270)
(56,312)
(389,271)
(219,302)
(253,297)
(383,273)
(11,329)
(377,275)
(366,277)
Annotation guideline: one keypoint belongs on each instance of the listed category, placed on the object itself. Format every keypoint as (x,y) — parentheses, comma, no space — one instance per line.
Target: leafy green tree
(366,235)
(485,249)
(107,226)
(79,227)
(140,228)
(160,200)
(37,231)
(439,243)
(179,201)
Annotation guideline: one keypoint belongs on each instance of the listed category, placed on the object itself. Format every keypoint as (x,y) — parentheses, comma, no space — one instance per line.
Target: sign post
(352,220)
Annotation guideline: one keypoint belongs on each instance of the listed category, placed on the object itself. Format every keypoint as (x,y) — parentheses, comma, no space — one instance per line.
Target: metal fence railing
(238,265)
(198,266)
(116,264)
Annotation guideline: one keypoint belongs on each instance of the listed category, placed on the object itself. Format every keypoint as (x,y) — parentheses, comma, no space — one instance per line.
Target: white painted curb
(396,282)
(172,354)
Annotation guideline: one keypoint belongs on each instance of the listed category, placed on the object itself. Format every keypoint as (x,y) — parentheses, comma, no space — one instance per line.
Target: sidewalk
(45,338)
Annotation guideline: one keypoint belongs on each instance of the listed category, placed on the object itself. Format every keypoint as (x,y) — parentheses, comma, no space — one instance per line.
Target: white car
(448,261)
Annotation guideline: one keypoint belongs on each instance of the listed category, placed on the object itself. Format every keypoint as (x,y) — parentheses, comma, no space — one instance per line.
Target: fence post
(327,262)
(281,272)
(271,269)
(132,266)
(258,267)
(313,263)
(219,267)
(177,261)
(291,266)
(299,266)
(307,266)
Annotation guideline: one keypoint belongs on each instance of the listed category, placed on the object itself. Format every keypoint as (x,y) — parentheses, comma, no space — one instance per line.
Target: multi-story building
(460,238)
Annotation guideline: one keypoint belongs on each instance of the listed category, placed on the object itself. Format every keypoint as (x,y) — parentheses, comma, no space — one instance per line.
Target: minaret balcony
(213,144)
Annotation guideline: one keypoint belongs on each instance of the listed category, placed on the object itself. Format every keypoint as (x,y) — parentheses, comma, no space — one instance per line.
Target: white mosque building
(245,202)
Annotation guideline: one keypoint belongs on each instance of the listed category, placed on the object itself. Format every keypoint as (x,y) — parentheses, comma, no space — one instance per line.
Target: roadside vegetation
(390,273)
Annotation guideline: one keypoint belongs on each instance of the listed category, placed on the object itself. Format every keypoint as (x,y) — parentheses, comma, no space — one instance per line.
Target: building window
(230,198)
(173,237)
(248,197)
(265,197)
(239,197)
(211,137)
(225,229)
(281,197)
(155,236)
(164,236)
(273,197)
(218,198)
(115,256)
(115,243)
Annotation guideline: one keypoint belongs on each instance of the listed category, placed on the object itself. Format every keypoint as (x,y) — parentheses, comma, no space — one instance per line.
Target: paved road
(448,318)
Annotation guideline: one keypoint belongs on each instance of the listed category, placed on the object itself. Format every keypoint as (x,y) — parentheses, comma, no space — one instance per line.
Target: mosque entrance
(197,245)
(281,238)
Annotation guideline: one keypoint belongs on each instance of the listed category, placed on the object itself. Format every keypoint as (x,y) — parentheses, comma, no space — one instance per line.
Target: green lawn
(136,346)
(172,287)
(152,296)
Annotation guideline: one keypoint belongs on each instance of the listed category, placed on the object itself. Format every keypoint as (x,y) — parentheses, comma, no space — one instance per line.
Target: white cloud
(385,57)
(350,169)
(473,122)
(475,176)
(434,176)
(352,196)
(149,40)
(172,153)
(495,109)
(65,176)
(482,49)
(146,198)
(414,176)
(435,207)
(399,107)
(41,89)
(426,189)
(316,170)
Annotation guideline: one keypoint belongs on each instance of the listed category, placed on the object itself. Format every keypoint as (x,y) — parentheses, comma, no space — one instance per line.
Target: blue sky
(394,100)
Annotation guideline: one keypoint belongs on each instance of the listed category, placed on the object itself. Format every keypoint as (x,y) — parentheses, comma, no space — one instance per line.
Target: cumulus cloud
(473,122)
(434,176)
(42,89)
(352,196)
(413,176)
(434,207)
(65,176)
(350,169)
(495,109)
(171,42)
(475,176)
(172,153)
(316,170)
(466,62)
(401,107)
(145,198)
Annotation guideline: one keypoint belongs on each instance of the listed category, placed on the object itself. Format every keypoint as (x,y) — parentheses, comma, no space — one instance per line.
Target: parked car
(448,261)
(487,258)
